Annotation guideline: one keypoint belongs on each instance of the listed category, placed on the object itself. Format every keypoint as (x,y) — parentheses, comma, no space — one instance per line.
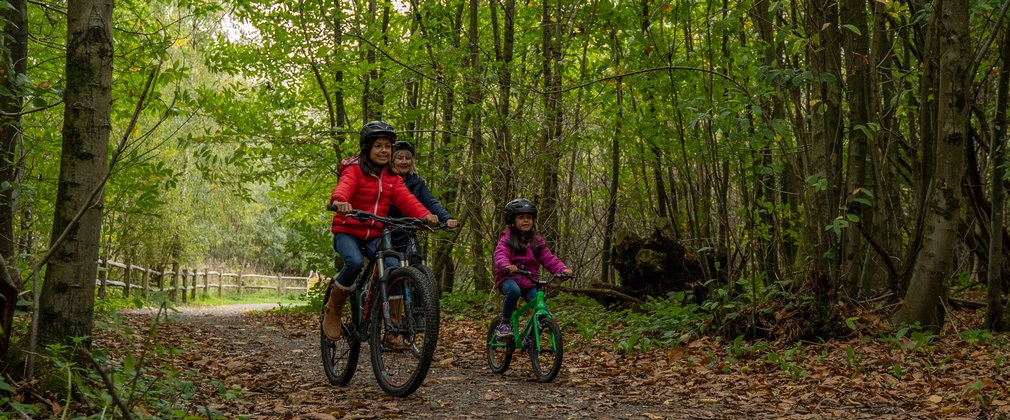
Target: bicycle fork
(530,336)
(406,301)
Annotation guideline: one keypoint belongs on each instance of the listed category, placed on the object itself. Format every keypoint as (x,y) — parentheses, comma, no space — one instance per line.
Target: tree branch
(893,271)
(108,383)
(601,291)
(30,111)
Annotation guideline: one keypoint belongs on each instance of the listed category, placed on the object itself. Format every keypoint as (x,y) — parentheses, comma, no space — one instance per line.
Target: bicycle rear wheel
(402,349)
(546,358)
(340,357)
(499,353)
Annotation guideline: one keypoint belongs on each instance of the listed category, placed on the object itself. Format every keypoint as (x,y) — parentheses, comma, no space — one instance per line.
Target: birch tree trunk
(66,306)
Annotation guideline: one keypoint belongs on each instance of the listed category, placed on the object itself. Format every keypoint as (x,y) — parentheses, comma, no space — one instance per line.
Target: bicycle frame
(377,270)
(538,306)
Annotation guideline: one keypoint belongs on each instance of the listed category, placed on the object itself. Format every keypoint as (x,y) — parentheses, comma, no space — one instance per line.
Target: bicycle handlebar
(552,279)
(407,223)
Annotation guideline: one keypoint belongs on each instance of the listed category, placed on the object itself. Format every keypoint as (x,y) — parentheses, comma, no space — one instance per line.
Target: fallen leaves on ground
(273,358)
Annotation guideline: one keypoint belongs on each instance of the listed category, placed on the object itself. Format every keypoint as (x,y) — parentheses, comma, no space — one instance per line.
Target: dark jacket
(416,185)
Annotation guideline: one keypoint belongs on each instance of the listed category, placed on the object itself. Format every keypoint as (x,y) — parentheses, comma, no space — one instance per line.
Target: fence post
(192,293)
(126,277)
(240,282)
(206,282)
(145,282)
(185,285)
(103,276)
(161,279)
(175,281)
(280,286)
(220,283)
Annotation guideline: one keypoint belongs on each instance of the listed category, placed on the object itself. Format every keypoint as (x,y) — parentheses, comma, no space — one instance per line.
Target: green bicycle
(540,335)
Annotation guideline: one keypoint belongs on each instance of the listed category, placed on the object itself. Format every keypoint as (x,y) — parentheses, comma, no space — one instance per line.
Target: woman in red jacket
(366,183)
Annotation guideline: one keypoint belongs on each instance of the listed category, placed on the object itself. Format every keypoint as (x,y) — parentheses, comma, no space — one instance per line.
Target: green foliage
(659,322)
(314,297)
(790,361)
(742,349)
(911,338)
(147,388)
(974,336)
(468,302)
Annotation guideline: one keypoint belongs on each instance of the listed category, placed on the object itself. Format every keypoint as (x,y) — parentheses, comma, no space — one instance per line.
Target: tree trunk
(373,98)
(860,100)
(339,119)
(887,213)
(826,148)
(551,155)
(926,291)
(502,186)
(16,31)
(606,269)
(66,306)
(475,193)
(995,312)
(771,189)
(926,145)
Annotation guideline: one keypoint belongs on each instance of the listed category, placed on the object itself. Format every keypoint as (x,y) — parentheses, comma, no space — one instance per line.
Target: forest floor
(273,357)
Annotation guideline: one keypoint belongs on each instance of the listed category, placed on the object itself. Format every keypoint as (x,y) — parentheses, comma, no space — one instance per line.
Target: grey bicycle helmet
(517,207)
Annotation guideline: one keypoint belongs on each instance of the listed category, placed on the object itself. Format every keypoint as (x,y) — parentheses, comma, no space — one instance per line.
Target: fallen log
(596,292)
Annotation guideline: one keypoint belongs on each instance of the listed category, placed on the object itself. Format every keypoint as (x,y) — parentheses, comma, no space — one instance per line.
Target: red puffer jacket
(371,193)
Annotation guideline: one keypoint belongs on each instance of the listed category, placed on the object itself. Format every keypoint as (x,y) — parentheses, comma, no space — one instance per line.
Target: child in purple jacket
(520,247)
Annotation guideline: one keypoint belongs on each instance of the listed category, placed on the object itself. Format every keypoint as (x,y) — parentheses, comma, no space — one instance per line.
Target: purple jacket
(504,256)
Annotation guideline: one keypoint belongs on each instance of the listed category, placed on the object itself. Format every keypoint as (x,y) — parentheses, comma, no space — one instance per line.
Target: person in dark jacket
(403,164)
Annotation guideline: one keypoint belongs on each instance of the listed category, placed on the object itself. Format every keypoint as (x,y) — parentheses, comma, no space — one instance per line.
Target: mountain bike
(540,335)
(411,321)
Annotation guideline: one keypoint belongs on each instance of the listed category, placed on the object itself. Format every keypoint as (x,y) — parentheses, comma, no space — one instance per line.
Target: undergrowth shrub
(663,322)
(132,366)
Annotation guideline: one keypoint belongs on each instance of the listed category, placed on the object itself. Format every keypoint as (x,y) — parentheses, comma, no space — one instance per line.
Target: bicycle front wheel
(403,346)
(546,357)
(499,352)
(340,357)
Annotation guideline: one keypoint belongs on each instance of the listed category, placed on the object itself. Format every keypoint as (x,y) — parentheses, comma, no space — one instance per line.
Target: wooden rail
(137,279)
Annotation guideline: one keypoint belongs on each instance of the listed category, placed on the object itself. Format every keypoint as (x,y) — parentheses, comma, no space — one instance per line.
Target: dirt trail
(275,359)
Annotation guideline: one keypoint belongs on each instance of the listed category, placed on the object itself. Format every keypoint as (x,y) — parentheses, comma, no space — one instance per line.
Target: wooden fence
(186,282)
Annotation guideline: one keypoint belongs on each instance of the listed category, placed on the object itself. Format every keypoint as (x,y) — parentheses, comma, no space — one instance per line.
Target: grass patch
(287,299)
(115,303)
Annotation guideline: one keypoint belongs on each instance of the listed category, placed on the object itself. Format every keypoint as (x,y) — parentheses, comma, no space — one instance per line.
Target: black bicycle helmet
(373,130)
(517,207)
(403,145)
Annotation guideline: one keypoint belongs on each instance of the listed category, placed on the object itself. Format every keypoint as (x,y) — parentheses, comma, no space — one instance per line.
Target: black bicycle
(401,332)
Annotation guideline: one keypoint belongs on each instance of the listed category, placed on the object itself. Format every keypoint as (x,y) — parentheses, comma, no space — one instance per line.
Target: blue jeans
(349,247)
(510,289)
